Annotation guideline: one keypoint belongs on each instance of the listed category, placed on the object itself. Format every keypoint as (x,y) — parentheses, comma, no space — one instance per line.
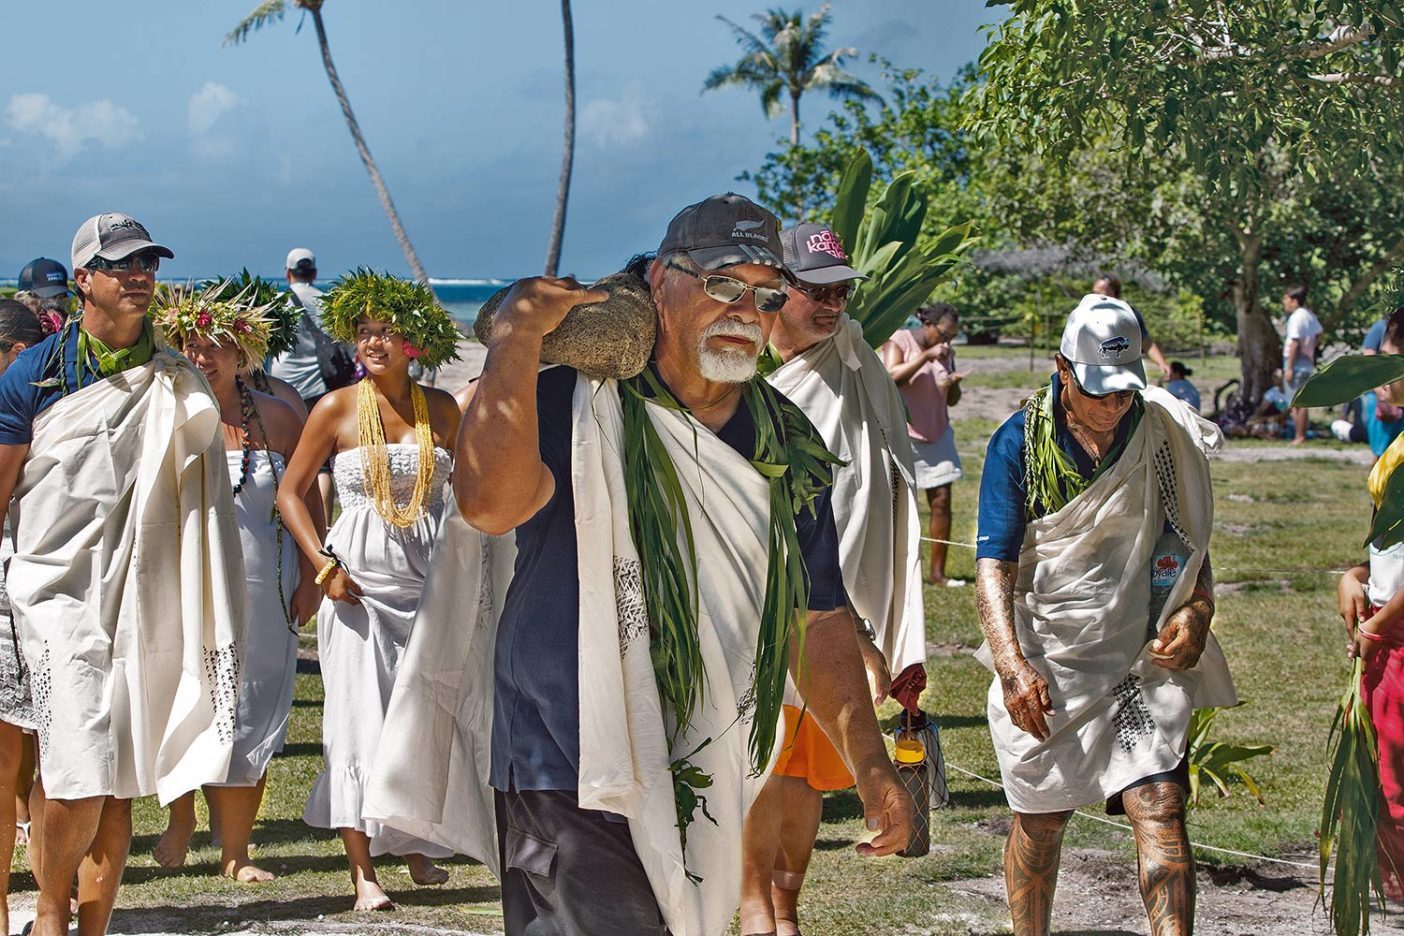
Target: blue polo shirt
(1003,491)
(35,381)
(536,707)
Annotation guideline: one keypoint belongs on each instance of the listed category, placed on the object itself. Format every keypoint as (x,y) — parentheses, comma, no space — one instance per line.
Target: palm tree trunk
(553,251)
(401,237)
(794,118)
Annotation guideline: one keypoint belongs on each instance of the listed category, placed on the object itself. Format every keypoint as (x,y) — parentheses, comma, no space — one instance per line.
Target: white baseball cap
(301,256)
(1102,344)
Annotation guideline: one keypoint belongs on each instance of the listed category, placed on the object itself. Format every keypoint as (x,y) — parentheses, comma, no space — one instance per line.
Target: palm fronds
(269,11)
(1350,815)
(1218,761)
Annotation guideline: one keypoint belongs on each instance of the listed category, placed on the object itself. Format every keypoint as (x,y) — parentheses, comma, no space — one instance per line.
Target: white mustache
(726,328)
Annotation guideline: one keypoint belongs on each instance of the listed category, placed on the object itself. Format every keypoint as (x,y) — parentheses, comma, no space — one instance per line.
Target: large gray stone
(610,339)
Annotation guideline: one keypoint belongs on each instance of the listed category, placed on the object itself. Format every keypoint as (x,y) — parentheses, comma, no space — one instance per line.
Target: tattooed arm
(1025,690)
(1179,644)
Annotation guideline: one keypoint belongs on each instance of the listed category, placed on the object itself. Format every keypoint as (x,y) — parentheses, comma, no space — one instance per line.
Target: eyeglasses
(729,290)
(1121,395)
(147,262)
(824,295)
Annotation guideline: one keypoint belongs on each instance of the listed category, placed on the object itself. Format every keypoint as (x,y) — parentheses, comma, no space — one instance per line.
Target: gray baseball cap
(1102,344)
(725,230)
(112,236)
(813,253)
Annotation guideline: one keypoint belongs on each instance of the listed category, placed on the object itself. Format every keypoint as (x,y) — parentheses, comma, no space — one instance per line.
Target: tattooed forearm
(1157,814)
(1031,870)
(994,600)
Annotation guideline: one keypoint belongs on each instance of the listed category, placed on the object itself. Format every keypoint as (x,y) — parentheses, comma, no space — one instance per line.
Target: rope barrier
(1234,569)
(1126,827)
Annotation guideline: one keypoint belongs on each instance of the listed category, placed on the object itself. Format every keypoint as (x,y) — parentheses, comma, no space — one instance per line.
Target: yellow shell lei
(375,458)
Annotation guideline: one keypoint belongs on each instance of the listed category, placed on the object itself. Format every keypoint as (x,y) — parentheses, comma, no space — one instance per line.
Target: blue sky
(231,155)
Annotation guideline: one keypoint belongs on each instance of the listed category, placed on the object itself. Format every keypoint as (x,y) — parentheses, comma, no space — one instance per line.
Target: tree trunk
(1259,347)
(794,118)
(401,237)
(553,250)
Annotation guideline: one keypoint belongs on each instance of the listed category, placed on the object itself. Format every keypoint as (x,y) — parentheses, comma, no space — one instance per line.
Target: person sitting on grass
(223,339)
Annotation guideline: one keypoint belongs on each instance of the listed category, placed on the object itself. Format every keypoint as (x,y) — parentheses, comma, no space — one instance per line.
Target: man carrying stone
(1095,595)
(126,584)
(577,748)
(840,383)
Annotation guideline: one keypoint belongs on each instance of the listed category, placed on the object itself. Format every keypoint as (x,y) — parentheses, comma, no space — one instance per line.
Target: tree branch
(1358,288)
(1384,81)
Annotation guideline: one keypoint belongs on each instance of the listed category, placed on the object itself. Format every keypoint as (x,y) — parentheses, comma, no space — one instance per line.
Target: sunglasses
(147,262)
(823,295)
(1121,395)
(729,290)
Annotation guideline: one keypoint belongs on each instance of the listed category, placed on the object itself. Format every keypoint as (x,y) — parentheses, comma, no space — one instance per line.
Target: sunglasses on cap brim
(1121,395)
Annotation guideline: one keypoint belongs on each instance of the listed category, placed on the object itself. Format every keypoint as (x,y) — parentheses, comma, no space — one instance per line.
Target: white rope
(1125,827)
(1235,569)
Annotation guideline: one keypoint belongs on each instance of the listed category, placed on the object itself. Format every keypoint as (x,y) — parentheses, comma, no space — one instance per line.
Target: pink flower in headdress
(204,320)
(412,351)
(50,322)
(242,327)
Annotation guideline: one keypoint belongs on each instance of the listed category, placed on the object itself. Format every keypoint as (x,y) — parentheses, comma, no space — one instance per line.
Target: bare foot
(369,897)
(424,872)
(174,843)
(246,872)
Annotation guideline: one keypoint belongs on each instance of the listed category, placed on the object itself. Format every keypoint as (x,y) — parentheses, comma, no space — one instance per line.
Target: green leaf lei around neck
(793,459)
(1051,478)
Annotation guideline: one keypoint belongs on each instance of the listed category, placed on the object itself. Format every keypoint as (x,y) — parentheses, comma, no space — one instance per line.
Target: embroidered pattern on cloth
(1169,485)
(43,695)
(222,673)
(1133,719)
(629,601)
(746,705)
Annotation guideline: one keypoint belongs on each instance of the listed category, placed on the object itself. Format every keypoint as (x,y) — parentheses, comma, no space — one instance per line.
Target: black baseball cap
(814,255)
(112,236)
(725,230)
(44,278)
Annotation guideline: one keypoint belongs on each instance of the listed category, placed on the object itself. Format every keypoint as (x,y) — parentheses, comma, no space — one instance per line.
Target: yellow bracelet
(331,566)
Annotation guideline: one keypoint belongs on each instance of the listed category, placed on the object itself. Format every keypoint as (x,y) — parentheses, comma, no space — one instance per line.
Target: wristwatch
(865,627)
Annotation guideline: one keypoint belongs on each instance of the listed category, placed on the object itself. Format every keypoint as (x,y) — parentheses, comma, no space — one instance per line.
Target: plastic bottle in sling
(910,761)
(1168,561)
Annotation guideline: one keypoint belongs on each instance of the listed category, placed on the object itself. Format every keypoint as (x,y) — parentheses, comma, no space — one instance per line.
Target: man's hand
(888,809)
(1181,641)
(875,664)
(1026,697)
(538,304)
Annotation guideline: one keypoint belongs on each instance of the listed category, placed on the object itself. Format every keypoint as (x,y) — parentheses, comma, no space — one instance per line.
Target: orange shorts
(808,753)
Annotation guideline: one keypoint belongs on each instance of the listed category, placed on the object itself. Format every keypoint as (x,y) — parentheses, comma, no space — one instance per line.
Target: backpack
(335,363)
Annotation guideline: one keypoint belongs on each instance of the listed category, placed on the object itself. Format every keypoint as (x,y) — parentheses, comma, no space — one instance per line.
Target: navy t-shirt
(33,383)
(536,708)
(1003,492)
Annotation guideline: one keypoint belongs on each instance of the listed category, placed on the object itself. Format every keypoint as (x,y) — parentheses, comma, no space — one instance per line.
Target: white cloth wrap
(127,584)
(431,778)
(843,387)
(1081,603)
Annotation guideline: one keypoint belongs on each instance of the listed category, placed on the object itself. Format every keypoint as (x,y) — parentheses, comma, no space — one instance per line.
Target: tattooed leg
(1031,870)
(1157,814)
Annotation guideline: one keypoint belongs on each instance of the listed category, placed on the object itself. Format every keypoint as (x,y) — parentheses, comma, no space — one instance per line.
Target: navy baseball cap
(44,278)
(725,230)
(813,253)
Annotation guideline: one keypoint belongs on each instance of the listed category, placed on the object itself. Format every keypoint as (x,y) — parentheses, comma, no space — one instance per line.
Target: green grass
(1279,527)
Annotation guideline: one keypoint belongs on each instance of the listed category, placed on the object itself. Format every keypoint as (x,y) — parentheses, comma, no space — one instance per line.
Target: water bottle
(910,761)
(1168,561)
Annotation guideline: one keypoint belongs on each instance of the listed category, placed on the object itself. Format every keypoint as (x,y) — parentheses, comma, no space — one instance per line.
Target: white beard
(728,366)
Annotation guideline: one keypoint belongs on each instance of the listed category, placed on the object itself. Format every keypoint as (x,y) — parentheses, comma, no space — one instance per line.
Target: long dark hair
(18,325)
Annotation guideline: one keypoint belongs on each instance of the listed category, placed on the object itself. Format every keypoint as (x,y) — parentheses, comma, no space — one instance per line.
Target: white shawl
(431,772)
(1081,604)
(127,585)
(843,387)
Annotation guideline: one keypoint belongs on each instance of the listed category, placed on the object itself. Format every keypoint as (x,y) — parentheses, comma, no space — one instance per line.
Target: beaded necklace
(375,457)
(248,410)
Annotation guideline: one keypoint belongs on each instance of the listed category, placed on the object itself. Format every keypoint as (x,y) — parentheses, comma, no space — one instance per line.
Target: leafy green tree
(1261,114)
(787,59)
(553,251)
(274,10)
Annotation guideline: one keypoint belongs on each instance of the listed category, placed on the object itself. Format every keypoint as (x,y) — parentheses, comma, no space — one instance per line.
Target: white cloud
(103,122)
(609,123)
(208,105)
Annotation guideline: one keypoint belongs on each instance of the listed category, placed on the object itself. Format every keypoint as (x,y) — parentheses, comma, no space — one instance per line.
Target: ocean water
(461,297)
